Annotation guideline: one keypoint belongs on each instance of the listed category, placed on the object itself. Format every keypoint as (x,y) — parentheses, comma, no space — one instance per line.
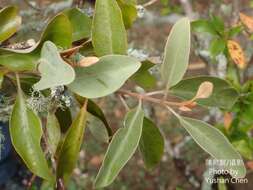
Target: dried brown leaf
(247,21)
(236,54)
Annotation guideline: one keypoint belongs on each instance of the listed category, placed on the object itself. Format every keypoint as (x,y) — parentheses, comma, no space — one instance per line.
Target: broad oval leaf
(80,22)
(108,31)
(9,23)
(54,71)
(53,132)
(123,145)
(70,148)
(223,95)
(176,55)
(26,133)
(215,143)
(104,77)
(151,144)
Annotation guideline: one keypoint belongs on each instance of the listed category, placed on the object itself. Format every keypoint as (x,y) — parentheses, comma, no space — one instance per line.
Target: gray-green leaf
(108,31)
(176,55)
(122,147)
(104,77)
(223,96)
(26,133)
(54,71)
(53,132)
(215,143)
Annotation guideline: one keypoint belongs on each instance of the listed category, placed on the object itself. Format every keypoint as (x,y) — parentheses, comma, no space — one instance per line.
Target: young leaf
(247,21)
(236,54)
(176,54)
(108,31)
(88,61)
(123,145)
(203,26)
(53,132)
(26,133)
(9,23)
(218,24)
(71,146)
(54,71)
(104,77)
(205,90)
(217,47)
(215,143)
(80,22)
(223,95)
(151,144)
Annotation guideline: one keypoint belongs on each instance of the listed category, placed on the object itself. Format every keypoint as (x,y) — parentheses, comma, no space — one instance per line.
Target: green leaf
(243,147)
(9,23)
(203,26)
(217,46)
(215,143)
(129,12)
(108,31)
(18,61)
(143,77)
(59,31)
(80,22)
(223,96)
(95,110)
(104,77)
(123,145)
(218,24)
(26,133)
(71,146)
(176,55)
(64,117)
(1,78)
(97,129)
(54,71)
(53,132)
(151,144)
(234,31)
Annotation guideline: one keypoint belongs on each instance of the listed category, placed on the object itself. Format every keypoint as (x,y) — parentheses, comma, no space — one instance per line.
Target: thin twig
(32,6)
(30,182)
(123,102)
(155,93)
(149,3)
(150,99)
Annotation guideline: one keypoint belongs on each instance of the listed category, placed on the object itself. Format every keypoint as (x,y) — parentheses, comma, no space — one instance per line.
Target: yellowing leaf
(88,61)
(205,90)
(236,54)
(247,21)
